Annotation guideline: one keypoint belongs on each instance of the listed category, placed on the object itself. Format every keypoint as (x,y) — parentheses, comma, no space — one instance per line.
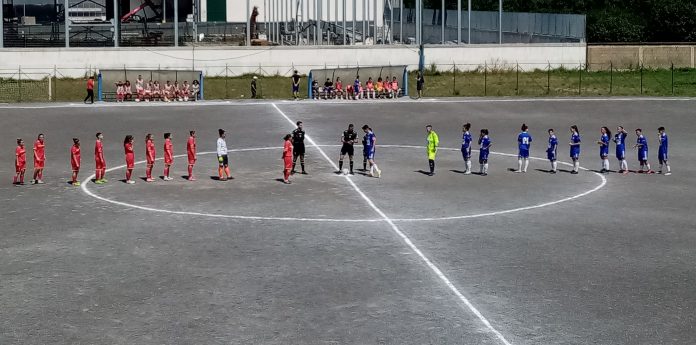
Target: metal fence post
(227,96)
(580,83)
(641,79)
(454,79)
(672,79)
(611,77)
(485,78)
(517,82)
(548,79)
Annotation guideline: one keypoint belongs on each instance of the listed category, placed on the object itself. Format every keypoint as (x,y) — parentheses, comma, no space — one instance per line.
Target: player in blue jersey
(662,153)
(524,141)
(620,140)
(466,147)
(642,147)
(552,151)
(370,142)
(603,143)
(575,148)
(484,149)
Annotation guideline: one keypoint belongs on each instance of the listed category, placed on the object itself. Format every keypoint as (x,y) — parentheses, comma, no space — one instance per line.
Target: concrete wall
(626,57)
(217,61)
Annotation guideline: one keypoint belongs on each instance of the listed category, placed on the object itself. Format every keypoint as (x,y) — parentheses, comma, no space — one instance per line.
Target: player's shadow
(544,170)
(423,172)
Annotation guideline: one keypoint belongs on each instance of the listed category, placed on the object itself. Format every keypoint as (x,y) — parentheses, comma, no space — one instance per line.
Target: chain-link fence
(483,80)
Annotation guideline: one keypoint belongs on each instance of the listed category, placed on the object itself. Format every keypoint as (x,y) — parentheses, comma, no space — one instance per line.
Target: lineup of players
(294,148)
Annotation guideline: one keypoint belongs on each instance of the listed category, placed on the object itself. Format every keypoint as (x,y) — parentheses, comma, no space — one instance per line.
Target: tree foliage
(607,20)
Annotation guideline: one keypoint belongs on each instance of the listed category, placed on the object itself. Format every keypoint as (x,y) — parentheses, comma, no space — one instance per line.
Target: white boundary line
(408,241)
(340,102)
(217,215)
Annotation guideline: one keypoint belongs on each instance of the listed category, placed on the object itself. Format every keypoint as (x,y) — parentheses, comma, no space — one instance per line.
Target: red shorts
(149,162)
(288,162)
(100,165)
(192,160)
(38,164)
(75,167)
(20,167)
(130,161)
(168,161)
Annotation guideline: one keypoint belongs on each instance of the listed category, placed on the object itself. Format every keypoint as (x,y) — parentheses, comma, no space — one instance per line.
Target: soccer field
(507,258)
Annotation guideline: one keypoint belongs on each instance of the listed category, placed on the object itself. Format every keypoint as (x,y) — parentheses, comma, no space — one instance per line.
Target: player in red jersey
(20,162)
(191,152)
(168,156)
(39,159)
(75,160)
(287,158)
(99,161)
(150,156)
(130,158)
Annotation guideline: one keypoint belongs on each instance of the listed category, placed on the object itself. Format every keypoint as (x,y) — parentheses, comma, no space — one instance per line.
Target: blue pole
(309,85)
(201,82)
(405,81)
(99,87)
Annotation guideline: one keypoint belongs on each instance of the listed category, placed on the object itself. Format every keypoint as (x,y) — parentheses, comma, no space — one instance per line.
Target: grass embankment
(561,82)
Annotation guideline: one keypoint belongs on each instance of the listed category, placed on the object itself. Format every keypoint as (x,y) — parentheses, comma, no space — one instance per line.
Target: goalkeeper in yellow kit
(433,141)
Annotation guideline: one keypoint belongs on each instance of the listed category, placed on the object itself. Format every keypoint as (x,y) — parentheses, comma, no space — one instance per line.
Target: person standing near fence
(253,87)
(296,85)
(420,82)
(90,90)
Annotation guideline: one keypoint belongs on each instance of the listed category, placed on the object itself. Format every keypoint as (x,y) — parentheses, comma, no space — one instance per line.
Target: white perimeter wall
(76,62)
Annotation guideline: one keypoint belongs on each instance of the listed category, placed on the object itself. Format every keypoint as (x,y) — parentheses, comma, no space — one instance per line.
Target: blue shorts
(575,155)
(642,156)
(466,153)
(483,156)
(551,156)
(621,154)
(662,156)
(524,154)
(369,154)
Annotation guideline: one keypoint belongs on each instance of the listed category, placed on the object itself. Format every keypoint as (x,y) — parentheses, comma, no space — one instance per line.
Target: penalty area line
(407,240)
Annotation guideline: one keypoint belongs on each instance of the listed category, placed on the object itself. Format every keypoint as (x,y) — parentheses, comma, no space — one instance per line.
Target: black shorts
(298,149)
(225,161)
(347,149)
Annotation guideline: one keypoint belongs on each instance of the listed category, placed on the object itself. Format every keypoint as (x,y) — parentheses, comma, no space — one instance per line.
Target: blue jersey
(575,149)
(466,144)
(664,144)
(524,140)
(604,148)
(552,149)
(620,140)
(484,150)
(642,148)
(369,142)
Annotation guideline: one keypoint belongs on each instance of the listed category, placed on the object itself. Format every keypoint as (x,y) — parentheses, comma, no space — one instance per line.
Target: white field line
(408,241)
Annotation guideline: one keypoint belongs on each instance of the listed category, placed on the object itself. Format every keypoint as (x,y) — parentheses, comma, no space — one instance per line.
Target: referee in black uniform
(298,148)
(348,139)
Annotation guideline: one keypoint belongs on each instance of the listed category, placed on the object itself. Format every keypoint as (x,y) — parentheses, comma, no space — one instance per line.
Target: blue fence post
(405,81)
(99,87)
(309,85)
(201,82)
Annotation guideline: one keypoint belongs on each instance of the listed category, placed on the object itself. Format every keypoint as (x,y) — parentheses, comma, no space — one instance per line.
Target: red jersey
(39,151)
(90,84)
(191,150)
(130,155)
(168,151)
(150,151)
(287,154)
(20,158)
(339,85)
(75,158)
(370,85)
(98,152)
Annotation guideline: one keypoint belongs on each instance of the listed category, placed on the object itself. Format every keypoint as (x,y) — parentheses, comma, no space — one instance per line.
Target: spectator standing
(90,90)
(253,87)
(296,85)
(420,81)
